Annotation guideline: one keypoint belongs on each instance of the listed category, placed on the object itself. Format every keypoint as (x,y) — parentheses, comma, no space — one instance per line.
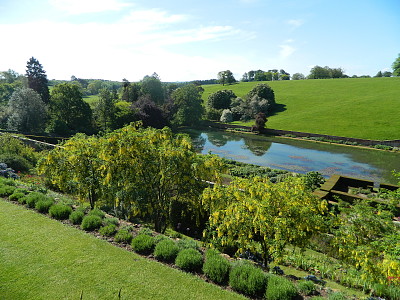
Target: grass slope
(44,259)
(352,107)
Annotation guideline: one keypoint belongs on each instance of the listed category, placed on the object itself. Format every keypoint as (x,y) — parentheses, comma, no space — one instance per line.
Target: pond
(299,156)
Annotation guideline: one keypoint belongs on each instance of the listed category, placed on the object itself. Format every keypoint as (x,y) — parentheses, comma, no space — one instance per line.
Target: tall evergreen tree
(37,79)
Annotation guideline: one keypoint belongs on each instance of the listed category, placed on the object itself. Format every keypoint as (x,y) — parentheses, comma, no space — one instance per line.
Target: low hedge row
(242,276)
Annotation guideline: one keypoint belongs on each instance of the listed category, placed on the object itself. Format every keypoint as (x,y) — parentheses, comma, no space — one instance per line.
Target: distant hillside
(353,107)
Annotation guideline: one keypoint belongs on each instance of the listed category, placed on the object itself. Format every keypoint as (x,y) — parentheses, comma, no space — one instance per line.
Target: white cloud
(295,23)
(286,51)
(133,47)
(76,7)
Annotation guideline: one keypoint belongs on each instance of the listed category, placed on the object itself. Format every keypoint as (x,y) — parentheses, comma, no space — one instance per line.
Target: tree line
(28,105)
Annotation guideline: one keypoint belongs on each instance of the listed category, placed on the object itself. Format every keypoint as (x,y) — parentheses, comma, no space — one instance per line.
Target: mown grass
(351,107)
(44,259)
(91,100)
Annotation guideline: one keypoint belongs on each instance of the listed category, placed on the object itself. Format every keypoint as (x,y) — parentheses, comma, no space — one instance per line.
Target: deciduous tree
(27,111)
(396,66)
(188,105)
(259,216)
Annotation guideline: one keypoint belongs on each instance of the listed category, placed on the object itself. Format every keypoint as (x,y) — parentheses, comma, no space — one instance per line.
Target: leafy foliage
(143,244)
(60,211)
(108,230)
(166,250)
(123,236)
(247,279)
(189,260)
(221,99)
(262,217)
(280,288)
(91,222)
(76,217)
(188,103)
(44,205)
(37,79)
(216,268)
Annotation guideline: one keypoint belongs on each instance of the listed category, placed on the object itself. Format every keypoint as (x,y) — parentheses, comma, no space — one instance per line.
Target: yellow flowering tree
(260,216)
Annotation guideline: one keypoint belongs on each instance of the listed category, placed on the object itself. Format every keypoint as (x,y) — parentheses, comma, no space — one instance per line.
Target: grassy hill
(353,107)
(44,259)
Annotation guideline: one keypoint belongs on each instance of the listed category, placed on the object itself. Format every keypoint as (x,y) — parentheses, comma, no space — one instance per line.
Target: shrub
(108,230)
(44,205)
(145,230)
(280,288)
(6,190)
(34,197)
(60,211)
(337,296)
(6,172)
(15,196)
(91,222)
(143,244)
(110,221)
(211,253)
(7,181)
(247,279)
(166,250)
(187,244)
(76,217)
(216,268)
(123,236)
(160,237)
(16,162)
(189,260)
(97,212)
(306,287)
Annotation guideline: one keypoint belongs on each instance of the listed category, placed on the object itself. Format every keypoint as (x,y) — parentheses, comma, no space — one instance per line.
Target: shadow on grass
(278,108)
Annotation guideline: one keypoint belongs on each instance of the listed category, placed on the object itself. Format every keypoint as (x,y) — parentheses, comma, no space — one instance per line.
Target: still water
(299,156)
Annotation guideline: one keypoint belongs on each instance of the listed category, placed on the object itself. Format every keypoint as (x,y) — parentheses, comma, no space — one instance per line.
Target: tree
(261,119)
(387,74)
(75,168)
(104,110)
(318,72)
(37,79)
(147,170)
(264,91)
(226,116)
(298,76)
(68,109)
(188,103)
(221,99)
(226,77)
(263,217)
(396,66)
(379,74)
(149,113)
(152,86)
(130,91)
(28,112)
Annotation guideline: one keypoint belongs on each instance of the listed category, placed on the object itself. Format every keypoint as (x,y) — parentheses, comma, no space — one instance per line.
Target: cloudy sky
(189,40)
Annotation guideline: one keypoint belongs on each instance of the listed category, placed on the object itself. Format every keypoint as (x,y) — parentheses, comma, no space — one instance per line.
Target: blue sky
(189,40)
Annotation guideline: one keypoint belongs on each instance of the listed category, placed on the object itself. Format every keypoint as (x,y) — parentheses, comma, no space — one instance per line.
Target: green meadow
(351,107)
(44,259)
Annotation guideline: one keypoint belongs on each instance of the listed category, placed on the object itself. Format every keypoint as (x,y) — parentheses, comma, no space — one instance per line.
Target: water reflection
(299,156)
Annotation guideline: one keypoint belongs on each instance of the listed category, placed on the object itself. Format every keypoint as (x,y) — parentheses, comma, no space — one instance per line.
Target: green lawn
(41,258)
(91,100)
(352,107)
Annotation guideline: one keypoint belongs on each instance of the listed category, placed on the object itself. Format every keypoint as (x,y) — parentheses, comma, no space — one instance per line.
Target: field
(44,259)
(353,107)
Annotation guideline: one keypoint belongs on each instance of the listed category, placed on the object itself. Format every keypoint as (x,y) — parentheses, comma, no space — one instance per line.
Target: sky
(194,40)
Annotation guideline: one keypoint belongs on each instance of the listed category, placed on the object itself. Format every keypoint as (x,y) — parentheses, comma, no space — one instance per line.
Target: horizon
(116,39)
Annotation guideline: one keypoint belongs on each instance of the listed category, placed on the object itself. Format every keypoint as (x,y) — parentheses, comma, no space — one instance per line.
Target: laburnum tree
(75,168)
(257,215)
(37,79)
